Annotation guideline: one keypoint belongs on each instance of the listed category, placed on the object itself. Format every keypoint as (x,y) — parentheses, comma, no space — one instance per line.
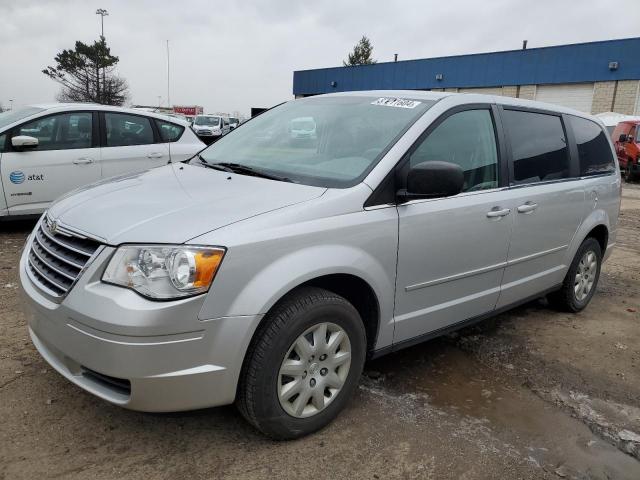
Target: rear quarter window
(594,152)
(169,132)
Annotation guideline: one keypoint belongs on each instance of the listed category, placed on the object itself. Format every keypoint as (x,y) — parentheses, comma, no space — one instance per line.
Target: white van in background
(209,128)
(49,150)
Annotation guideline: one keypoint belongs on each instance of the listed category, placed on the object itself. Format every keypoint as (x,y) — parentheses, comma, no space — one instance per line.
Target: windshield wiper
(245,170)
(215,166)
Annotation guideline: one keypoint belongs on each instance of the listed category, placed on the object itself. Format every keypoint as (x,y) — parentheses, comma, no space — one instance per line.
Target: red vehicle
(625,139)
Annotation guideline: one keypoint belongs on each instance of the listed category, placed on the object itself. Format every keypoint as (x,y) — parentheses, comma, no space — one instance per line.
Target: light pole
(103,13)
(11,104)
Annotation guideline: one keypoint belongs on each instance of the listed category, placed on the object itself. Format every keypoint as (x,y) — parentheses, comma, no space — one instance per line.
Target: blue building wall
(582,62)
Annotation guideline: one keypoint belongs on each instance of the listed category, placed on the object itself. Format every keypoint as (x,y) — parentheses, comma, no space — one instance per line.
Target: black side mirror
(433,180)
(623,138)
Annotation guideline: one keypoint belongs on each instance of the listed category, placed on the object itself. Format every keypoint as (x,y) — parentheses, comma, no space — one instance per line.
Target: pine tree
(86,74)
(361,53)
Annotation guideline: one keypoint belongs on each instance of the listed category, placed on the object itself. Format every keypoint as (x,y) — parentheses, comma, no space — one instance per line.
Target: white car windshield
(10,116)
(344,138)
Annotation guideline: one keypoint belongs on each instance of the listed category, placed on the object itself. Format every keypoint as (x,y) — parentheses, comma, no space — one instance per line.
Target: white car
(49,150)
(210,127)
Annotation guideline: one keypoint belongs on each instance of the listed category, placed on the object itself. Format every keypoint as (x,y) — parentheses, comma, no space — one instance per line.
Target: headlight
(164,271)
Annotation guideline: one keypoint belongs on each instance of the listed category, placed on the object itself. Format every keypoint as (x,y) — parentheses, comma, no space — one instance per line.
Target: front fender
(268,285)
(271,255)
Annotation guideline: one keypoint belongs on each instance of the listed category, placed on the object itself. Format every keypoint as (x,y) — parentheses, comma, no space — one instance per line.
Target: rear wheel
(581,280)
(303,364)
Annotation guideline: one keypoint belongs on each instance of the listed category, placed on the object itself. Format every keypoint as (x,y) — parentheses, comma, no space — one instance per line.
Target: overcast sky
(232,55)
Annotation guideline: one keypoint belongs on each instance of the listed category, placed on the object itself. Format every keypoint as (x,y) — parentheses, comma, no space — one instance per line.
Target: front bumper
(139,354)
(208,134)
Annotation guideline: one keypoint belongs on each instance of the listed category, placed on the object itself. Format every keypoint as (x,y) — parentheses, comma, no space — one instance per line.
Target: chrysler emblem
(52,225)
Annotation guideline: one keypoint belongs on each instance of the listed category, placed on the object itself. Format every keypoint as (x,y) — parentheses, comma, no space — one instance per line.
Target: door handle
(155,155)
(497,212)
(83,161)
(527,207)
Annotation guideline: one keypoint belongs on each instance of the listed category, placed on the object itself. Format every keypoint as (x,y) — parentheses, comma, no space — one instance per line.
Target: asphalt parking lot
(532,393)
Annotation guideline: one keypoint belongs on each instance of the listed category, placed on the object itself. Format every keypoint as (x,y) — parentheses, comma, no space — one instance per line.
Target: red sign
(192,110)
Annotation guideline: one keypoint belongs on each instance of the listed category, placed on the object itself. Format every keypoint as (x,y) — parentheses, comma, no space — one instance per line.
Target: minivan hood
(172,204)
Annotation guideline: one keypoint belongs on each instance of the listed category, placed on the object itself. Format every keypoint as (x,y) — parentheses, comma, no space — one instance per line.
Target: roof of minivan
(470,98)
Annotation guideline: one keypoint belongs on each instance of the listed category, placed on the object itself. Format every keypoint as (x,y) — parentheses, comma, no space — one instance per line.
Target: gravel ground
(532,393)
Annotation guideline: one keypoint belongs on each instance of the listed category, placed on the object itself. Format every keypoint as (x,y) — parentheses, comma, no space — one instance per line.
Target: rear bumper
(153,366)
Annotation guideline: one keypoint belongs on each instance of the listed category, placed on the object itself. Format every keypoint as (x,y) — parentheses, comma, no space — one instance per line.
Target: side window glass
(538,145)
(3,142)
(594,151)
(467,139)
(65,131)
(169,132)
(123,129)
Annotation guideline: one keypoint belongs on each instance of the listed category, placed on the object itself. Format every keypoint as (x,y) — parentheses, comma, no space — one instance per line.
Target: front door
(67,157)
(452,251)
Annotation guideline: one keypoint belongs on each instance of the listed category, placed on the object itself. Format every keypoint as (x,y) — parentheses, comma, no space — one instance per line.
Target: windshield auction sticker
(396,102)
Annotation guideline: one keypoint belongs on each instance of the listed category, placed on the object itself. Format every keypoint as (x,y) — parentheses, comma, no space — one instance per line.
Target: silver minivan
(265,272)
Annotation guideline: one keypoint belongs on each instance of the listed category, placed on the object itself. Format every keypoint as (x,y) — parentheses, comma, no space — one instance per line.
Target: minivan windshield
(208,121)
(331,141)
(10,116)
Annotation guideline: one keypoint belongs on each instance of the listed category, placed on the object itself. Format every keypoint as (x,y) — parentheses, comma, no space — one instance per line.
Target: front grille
(58,256)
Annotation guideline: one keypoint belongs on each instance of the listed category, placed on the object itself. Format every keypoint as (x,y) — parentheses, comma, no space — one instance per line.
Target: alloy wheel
(585,275)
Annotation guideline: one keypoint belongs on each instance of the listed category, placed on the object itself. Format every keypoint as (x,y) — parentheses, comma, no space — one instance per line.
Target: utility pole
(103,13)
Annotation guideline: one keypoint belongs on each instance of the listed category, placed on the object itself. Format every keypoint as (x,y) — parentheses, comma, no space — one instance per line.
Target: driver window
(467,139)
(60,132)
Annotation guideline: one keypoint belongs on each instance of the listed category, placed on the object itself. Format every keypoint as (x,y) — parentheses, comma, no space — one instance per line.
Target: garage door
(483,91)
(578,96)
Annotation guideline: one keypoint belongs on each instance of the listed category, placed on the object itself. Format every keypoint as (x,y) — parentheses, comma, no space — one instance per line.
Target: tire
(569,298)
(261,388)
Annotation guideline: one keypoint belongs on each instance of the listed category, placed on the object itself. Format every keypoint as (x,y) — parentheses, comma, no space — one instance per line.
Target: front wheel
(303,364)
(581,280)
